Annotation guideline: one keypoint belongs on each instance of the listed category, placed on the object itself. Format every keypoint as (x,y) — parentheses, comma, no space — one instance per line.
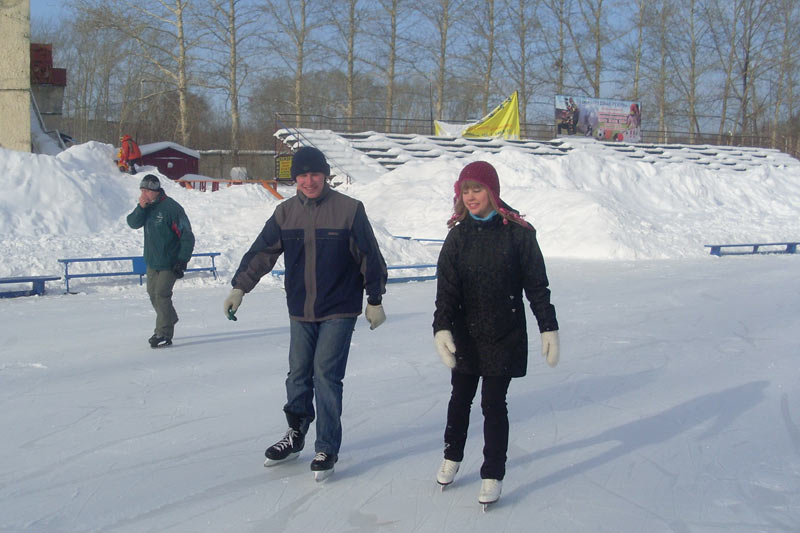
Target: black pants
(495,421)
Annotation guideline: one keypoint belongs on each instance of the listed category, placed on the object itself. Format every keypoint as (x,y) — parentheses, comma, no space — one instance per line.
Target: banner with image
(601,118)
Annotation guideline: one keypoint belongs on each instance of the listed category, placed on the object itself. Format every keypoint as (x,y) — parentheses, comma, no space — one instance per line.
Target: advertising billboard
(601,118)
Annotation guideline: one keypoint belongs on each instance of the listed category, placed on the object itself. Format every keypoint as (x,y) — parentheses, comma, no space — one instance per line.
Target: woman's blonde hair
(460,211)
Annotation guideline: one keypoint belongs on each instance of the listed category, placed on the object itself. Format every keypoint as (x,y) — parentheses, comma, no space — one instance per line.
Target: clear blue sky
(44,9)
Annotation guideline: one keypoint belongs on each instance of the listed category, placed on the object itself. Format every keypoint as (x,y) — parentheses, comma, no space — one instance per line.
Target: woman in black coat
(490,256)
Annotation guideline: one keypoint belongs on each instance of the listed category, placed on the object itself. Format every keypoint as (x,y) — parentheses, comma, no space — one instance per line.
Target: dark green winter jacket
(168,237)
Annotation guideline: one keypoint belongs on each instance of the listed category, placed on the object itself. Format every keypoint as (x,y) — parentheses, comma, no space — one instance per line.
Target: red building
(171,159)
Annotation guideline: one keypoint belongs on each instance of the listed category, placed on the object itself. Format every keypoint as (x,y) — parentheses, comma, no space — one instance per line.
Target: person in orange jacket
(129,154)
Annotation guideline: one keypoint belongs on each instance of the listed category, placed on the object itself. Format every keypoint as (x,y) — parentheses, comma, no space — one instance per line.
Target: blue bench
(405,279)
(759,248)
(38,285)
(401,279)
(138,267)
(405,238)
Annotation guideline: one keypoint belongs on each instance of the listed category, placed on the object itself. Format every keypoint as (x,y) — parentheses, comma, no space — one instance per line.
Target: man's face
(310,183)
(150,196)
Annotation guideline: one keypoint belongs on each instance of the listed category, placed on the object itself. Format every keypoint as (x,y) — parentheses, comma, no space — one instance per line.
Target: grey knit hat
(150,183)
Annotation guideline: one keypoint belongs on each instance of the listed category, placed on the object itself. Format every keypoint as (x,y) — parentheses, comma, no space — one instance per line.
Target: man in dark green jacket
(168,245)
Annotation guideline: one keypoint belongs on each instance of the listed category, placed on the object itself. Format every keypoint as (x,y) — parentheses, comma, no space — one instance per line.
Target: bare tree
(292,40)
(754,19)
(721,17)
(389,21)
(159,29)
(348,18)
(641,14)
(518,53)
(101,98)
(482,23)
(230,27)
(788,13)
(596,30)
(442,15)
(684,55)
(560,11)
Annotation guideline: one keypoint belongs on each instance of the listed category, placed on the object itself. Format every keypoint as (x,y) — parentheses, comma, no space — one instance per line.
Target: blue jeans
(317,361)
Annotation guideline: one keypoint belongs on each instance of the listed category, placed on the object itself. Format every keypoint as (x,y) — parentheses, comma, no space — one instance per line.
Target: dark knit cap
(483,173)
(309,159)
(150,183)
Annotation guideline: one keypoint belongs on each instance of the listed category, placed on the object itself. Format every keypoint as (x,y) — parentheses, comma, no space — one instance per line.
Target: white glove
(446,347)
(375,315)
(232,303)
(550,347)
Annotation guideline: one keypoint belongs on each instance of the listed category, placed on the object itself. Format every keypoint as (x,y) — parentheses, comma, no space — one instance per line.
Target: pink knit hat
(485,174)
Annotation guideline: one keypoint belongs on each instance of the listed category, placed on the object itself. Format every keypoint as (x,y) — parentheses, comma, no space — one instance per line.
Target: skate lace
(320,457)
(447,468)
(287,441)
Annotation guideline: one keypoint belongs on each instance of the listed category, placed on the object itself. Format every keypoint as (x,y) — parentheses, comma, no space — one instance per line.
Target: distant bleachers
(387,151)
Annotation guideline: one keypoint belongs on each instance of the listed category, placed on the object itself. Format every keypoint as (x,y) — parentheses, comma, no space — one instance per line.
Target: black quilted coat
(482,270)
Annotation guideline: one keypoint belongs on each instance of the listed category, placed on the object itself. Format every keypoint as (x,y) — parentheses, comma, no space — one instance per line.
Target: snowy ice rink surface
(675,408)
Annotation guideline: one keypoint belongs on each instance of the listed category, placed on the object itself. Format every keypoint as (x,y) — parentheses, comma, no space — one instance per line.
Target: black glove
(179,269)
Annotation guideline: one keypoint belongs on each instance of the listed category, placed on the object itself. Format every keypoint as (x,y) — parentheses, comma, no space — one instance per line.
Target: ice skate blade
(485,505)
(274,462)
(443,486)
(322,475)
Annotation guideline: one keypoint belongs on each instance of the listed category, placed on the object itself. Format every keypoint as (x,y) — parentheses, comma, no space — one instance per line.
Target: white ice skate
(447,472)
(490,492)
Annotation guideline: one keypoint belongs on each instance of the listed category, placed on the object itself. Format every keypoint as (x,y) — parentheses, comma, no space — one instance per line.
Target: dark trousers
(495,421)
(159,288)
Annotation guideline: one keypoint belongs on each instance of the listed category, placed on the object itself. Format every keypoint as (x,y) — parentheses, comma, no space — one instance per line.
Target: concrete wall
(15,75)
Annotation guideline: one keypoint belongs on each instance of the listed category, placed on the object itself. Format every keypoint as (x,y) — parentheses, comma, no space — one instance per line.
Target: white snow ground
(676,406)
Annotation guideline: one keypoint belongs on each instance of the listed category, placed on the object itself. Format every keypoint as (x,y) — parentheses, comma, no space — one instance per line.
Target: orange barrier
(202,184)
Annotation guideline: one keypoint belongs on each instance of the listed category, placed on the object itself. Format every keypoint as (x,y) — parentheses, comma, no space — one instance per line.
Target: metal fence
(260,164)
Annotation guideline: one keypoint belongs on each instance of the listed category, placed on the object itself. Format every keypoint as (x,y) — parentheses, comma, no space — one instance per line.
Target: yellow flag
(502,121)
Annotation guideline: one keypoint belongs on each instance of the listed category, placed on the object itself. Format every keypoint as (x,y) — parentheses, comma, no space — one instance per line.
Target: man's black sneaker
(286,448)
(323,461)
(157,342)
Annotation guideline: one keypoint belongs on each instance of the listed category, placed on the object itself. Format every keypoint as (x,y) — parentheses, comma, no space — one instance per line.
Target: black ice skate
(322,465)
(156,341)
(287,448)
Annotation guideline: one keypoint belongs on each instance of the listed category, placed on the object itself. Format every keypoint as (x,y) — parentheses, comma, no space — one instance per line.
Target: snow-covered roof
(156,147)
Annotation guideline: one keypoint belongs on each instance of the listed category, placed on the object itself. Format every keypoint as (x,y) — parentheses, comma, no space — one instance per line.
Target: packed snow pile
(588,204)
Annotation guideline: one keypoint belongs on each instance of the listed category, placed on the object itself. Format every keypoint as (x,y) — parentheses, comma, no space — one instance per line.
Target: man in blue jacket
(331,257)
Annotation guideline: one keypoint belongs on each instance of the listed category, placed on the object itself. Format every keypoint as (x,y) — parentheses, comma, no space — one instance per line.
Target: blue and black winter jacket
(330,253)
